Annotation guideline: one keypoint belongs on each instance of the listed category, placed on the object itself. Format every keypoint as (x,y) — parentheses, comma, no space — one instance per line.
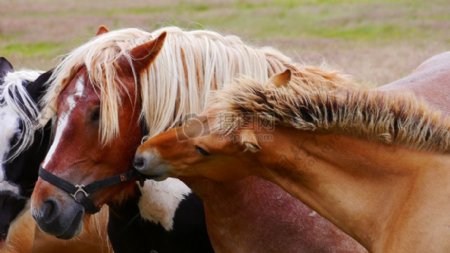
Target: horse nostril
(138,162)
(49,209)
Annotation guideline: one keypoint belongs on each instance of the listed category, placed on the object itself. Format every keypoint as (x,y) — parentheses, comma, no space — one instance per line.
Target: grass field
(376,41)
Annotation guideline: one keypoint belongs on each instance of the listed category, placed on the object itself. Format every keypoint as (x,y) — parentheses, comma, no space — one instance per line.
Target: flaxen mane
(390,118)
(189,66)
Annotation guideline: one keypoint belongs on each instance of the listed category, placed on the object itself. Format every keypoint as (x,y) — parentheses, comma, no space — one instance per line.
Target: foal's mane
(15,97)
(189,66)
(390,118)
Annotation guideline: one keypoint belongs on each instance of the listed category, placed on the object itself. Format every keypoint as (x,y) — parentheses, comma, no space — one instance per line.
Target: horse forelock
(190,64)
(98,57)
(18,104)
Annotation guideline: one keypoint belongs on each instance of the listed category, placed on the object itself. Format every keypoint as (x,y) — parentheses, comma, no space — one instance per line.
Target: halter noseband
(80,192)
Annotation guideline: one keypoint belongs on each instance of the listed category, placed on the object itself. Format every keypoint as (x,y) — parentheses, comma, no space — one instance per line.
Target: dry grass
(377,41)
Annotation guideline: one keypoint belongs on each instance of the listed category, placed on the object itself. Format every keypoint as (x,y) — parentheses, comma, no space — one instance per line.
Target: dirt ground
(376,41)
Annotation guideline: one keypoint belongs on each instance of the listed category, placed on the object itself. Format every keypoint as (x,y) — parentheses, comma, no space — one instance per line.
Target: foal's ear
(249,140)
(281,79)
(146,53)
(101,30)
(5,67)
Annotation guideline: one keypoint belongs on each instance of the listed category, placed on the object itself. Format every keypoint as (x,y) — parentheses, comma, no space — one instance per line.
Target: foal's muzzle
(150,166)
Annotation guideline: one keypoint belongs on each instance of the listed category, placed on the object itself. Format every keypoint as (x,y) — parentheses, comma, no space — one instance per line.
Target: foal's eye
(202,151)
(95,115)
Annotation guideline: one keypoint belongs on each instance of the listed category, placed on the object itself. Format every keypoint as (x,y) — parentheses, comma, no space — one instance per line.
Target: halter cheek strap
(80,193)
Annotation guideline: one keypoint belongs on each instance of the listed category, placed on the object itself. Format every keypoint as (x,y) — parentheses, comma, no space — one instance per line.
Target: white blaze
(64,119)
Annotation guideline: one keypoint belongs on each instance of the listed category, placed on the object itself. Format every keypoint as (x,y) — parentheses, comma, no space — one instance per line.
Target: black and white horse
(168,217)
(21,146)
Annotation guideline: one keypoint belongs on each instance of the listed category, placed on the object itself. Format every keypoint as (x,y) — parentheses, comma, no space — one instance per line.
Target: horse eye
(202,151)
(95,116)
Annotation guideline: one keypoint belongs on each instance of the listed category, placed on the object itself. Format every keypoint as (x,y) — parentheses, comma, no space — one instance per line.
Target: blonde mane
(399,119)
(189,66)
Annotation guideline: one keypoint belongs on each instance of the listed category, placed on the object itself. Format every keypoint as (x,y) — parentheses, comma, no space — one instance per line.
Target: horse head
(97,131)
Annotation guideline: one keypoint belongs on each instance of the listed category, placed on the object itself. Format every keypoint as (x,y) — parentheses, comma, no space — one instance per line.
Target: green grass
(330,19)
(334,30)
(276,23)
(32,49)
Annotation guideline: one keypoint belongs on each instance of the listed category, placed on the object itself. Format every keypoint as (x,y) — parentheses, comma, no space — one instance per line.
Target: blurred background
(375,41)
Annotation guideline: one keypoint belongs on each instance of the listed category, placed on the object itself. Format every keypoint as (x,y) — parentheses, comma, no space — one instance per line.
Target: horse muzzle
(63,220)
(151,166)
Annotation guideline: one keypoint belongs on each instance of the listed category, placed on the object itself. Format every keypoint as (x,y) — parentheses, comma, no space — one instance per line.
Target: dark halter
(80,193)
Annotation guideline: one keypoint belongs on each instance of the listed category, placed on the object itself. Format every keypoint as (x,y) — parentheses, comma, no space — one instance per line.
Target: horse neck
(359,185)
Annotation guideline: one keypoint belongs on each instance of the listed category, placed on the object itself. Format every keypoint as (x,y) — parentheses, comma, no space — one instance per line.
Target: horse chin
(158,172)
(73,229)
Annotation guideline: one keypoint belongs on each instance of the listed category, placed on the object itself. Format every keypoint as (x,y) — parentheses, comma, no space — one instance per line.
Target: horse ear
(5,67)
(146,53)
(281,79)
(249,141)
(101,30)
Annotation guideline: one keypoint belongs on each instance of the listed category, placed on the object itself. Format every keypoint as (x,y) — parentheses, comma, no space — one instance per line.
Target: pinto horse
(373,163)
(14,191)
(22,149)
(109,91)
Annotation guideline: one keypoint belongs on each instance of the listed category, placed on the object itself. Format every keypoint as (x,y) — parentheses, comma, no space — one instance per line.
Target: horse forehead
(77,91)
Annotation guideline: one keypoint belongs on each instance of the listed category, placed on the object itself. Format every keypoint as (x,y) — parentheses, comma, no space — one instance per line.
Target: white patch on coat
(160,200)
(63,120)
(6,186)
(10,126)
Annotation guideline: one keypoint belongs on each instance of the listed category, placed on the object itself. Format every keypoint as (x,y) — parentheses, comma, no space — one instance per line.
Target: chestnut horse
(21,151)
(375,164)
(106,91)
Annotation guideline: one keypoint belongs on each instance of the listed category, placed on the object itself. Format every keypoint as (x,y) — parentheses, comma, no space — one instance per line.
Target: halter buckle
(80,190)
